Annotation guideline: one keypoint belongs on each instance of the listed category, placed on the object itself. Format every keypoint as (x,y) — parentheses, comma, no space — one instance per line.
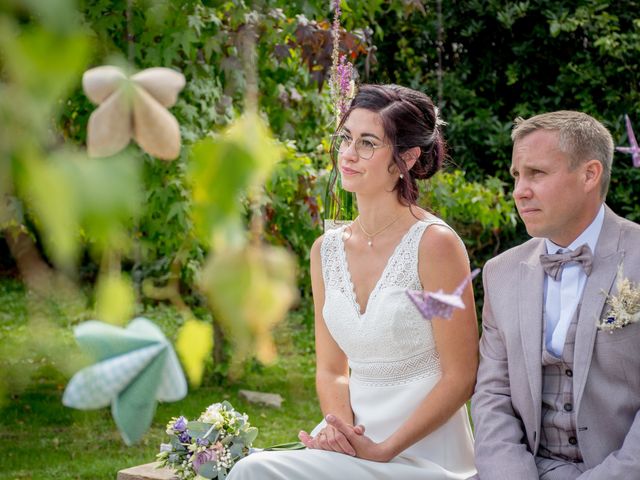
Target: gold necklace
(371,235)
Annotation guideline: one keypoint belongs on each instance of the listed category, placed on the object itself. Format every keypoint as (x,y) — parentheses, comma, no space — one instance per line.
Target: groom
(558,395)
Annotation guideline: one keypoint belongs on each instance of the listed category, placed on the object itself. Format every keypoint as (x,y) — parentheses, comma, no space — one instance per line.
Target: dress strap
(333,268)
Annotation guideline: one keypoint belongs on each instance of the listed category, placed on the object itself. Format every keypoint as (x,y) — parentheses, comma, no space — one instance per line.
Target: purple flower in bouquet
(208,455)
(180,425)
(198,450)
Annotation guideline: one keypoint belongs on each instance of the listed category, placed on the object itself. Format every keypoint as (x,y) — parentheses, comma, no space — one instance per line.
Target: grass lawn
(42,439)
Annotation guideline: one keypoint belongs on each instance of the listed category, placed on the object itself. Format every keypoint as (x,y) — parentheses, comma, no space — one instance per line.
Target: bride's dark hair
(409,119)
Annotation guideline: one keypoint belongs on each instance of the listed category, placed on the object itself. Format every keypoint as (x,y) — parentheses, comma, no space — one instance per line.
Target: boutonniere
(625,306)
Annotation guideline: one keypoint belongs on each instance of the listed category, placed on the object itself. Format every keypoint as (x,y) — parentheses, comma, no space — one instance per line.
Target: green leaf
(197,429)
(45,63)
(194,344)
(287,446)
(219,171)
(51,195)
(115,299)
(249,435)
(208,470)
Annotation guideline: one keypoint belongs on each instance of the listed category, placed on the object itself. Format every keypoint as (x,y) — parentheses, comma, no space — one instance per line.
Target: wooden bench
(147,471)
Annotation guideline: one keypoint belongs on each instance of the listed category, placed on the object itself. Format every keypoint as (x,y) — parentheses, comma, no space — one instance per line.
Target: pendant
(370,243)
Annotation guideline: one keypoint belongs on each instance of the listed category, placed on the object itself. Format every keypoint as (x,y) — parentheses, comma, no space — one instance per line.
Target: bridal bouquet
(209,446)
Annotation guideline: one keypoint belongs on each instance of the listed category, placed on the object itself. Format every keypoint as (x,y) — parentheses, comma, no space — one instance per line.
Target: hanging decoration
(135,367)
(133,108)
(440,304)
(633,150)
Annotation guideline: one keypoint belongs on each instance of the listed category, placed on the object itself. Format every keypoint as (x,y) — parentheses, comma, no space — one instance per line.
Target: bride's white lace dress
(394,364)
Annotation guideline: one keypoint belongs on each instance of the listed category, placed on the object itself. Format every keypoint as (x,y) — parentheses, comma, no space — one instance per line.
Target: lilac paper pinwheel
(135,368)
(634,149)
(440,304)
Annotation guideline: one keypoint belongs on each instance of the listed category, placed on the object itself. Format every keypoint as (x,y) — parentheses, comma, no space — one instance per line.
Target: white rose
(212,415)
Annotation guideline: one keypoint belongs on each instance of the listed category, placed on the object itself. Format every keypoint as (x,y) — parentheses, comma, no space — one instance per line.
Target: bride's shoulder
(440,237)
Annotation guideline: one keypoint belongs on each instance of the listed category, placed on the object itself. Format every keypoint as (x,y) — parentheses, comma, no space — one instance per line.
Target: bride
(392,385)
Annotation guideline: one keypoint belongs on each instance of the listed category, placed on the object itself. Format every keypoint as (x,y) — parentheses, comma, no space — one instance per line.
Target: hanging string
(130,37)
(439,46)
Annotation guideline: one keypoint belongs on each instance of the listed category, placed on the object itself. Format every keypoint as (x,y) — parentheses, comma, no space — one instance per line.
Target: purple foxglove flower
(184,437)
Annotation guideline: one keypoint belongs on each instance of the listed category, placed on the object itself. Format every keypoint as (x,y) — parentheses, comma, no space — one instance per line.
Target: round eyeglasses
(365,148)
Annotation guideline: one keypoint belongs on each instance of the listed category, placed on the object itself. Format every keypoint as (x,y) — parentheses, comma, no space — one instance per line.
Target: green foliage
(502,59)
(480,212)
(293,210)
(85,444)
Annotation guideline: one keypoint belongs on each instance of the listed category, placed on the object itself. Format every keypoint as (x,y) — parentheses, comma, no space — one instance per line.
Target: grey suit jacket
(506,405)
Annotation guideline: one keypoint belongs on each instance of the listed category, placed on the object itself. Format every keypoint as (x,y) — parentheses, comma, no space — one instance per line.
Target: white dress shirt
(561,297)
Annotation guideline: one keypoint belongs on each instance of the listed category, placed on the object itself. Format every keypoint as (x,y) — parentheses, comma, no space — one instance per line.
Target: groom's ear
(592,171)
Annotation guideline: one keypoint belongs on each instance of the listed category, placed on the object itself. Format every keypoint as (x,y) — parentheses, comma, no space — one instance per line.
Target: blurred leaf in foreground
(194,344)
(251,290)
(114,299)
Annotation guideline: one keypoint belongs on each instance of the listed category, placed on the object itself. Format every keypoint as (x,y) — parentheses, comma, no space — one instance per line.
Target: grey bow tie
(552,263)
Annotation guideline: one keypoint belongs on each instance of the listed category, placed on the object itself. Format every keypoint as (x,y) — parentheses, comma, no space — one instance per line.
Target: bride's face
(364,154)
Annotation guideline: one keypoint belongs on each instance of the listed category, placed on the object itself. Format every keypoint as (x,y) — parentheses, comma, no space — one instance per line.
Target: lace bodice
(390,342)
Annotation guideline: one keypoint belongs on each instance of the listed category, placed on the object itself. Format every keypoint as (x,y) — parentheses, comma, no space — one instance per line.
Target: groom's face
(549,195)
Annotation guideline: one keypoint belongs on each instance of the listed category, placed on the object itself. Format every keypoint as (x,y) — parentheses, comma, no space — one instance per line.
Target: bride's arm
(443,265)
(332,369)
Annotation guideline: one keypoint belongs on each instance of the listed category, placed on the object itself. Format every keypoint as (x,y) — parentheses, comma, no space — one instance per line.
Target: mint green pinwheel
(135,367)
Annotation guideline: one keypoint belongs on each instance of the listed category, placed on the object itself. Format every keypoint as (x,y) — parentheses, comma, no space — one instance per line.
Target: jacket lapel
(530,304)
(606,259)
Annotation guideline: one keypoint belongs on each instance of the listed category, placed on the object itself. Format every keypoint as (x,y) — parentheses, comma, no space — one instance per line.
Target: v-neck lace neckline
(376,287)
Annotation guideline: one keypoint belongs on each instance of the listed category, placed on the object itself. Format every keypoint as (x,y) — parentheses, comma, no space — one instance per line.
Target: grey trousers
(549,469)
(553,470)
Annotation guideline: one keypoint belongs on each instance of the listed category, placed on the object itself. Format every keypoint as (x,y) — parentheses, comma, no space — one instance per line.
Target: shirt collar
(589,236)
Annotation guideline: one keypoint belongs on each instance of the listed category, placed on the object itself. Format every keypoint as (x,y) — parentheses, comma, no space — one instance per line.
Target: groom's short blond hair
(581,136)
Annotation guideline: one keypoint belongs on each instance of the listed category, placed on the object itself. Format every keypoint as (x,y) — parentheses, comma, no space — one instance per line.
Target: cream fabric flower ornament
(135,367)
(135,108)
(624,306)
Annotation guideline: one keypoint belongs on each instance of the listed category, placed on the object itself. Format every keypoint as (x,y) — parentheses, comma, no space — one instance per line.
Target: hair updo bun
(409,119)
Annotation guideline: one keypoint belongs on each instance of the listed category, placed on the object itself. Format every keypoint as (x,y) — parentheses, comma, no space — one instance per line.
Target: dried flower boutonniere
(625,306)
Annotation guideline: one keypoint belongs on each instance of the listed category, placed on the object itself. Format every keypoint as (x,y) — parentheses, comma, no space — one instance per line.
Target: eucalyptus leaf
(208,470)
(197,429)
(177,444)
(236,449)
(249,435)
